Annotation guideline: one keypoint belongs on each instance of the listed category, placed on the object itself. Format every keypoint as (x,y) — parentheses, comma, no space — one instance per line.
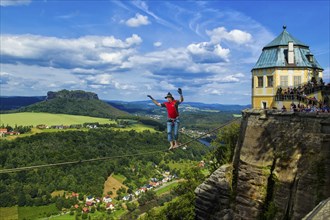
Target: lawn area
(8,213)
(31,118)
(63,217)
(36,212)
(182,165)
(167,188)
(119,177)
(67,216)
(117,214)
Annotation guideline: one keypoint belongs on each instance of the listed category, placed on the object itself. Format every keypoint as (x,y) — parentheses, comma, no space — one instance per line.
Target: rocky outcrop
(74,94)
(214,194)
(280,169)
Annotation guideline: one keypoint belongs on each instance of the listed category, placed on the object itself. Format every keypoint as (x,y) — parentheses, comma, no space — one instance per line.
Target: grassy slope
(30,118)
(7,213)
(10,213)
(36,211)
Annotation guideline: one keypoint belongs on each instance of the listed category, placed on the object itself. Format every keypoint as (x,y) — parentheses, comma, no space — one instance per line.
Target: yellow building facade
(285,65)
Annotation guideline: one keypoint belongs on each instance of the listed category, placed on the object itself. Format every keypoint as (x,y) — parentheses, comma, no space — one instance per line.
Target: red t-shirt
(172,108)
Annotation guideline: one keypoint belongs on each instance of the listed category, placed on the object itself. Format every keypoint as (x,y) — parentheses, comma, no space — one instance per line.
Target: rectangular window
(284,81)
(260,81)
(296,81)
(269,81)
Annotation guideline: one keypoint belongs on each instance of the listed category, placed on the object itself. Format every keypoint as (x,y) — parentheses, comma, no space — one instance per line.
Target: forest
(34,187)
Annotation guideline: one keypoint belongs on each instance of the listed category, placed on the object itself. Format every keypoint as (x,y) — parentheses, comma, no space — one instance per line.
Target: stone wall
(280,169)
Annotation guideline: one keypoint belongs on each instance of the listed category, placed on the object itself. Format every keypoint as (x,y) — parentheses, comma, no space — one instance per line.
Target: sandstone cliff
(74,94)
(280,169)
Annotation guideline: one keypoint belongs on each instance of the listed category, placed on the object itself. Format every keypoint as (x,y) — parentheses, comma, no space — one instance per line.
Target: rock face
(280,169)
(75,94)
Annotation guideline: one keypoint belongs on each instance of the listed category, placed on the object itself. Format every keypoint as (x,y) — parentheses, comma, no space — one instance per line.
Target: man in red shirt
(173,121)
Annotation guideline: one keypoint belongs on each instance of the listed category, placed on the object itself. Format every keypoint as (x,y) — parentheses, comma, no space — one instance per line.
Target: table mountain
(76,102)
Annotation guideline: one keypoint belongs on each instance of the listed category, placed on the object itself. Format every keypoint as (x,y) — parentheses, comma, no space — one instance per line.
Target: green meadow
(15,212)
(31,118)
(167,188)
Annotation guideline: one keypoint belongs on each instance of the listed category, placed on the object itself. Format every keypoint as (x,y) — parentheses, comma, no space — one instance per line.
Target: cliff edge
(280,169)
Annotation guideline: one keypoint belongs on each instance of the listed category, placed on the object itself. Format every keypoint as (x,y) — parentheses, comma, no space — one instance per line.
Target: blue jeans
(173,130)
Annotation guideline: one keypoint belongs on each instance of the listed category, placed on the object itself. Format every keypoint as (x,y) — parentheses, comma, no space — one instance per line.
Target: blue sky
(125,50)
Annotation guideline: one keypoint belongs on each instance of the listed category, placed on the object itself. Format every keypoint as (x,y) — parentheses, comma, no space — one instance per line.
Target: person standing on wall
(173,121)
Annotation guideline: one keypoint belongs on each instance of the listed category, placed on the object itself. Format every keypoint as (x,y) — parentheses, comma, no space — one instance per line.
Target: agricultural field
(7,213)
(36,212)
(113,183)
(137,128)
(34,119)
(50,119)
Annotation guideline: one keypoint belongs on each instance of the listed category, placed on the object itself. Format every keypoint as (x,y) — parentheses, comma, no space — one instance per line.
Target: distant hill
(149,107)
(75,102)
(15,102)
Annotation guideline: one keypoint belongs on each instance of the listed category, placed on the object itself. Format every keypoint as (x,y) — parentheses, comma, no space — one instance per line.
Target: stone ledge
(269,112)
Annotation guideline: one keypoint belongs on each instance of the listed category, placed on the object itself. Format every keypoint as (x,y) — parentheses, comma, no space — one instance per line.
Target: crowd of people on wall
(300,93)
(307,108)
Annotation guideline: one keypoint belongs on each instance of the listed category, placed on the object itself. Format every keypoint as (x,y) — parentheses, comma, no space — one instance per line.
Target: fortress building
(285,73)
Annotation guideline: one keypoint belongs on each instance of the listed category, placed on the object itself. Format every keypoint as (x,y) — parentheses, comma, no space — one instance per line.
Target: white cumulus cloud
(206,52)
(14,2)
(236,36)
(158,44)
(137,21)
(86,51)
(117,43)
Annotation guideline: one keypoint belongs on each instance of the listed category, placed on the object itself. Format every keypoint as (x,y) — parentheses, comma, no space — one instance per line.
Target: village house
(110,206)
(3,131)
(107,199)
(201,163)
(137,192)
(13,133)
(85,209)
(73,194)
(42,126)
(154,184)
(90,201)
(128,197)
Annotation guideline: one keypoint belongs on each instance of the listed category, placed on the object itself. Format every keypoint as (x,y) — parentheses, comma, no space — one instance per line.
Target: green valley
(109,164)
(35,187)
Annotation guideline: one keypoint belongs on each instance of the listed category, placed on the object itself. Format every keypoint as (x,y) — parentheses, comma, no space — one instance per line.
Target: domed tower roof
(283,39)
(275,54)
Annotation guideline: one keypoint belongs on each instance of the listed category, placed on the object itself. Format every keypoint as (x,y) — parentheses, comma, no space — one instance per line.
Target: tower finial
(284,27)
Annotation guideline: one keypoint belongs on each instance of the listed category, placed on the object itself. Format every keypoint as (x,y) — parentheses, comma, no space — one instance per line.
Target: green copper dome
(283,39)
(275,54)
